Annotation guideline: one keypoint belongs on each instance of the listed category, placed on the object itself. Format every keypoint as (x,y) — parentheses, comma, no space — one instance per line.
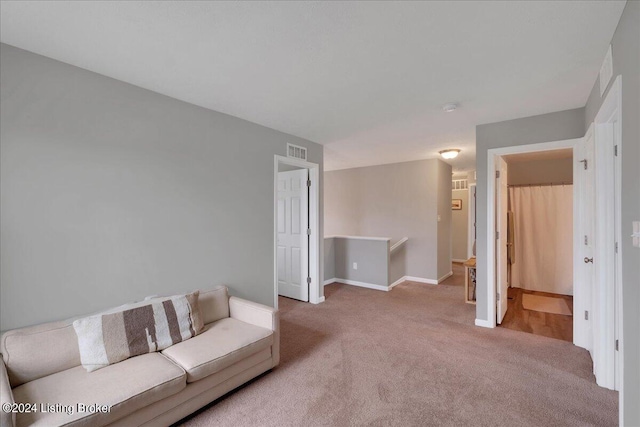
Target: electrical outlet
(355,265)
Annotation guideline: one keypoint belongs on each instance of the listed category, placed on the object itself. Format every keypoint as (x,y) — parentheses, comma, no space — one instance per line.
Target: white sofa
(41,368)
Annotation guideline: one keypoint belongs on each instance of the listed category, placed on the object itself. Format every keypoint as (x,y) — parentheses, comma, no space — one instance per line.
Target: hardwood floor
(517,318)
(535,322)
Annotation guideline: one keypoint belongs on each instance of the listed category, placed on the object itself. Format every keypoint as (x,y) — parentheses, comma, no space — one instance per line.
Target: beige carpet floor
(413,357)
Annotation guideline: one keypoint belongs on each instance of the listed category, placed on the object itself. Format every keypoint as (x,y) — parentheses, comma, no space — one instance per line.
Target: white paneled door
(501,238)
(292,239)
(584,184)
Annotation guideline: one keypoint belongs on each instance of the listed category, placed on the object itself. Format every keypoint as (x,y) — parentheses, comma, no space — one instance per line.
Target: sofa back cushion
(214,304)
(37,351)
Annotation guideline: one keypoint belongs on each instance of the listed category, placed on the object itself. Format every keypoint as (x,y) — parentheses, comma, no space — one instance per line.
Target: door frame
(314,226)
(472,222)
(492,154)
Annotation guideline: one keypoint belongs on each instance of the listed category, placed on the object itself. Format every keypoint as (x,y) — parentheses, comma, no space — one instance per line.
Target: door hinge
(615,150)
(308,232)
(308,183)
(497,235)
(584,162)
(497,297)
(586,240)
(497,174)
(616,247)
(308,280)
(586,315)
(617,345)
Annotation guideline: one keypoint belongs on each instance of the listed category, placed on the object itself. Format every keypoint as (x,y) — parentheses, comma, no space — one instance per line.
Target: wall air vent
(459,184)
(296,152)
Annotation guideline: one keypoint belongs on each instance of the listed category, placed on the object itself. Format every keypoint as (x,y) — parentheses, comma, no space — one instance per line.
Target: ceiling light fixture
(448,108)
(451,153)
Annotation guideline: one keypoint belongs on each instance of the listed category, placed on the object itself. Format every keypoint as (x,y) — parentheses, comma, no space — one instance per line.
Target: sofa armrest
(6,396)
(258,315)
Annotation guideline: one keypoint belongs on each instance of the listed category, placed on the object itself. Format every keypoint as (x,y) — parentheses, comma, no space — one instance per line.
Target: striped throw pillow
(110,338)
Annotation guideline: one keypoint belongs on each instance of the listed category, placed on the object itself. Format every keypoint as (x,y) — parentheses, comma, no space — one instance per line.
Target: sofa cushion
(22,351)
(222,344)
(126,387)
(105,339)
(214,304)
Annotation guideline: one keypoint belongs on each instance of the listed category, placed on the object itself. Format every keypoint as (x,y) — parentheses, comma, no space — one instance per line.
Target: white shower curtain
(543,217)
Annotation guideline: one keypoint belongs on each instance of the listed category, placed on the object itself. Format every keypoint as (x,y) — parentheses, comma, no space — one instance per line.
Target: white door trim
(491,200)
(470,226)
(314,225)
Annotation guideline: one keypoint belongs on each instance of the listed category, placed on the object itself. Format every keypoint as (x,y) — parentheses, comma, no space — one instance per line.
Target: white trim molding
(391,286)
(484,323)
(445,277)
(420,280)
(397,282)
(358,237)
(398,244)
(359,284)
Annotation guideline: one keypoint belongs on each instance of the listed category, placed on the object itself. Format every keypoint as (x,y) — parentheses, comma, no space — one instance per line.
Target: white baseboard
(397,282)
(363,285)
(321,299)
(391,286)
(420,280)
(484,323)
(445,277)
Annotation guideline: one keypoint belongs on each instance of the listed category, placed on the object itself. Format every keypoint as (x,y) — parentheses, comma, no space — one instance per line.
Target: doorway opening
(536,223)
(296,230)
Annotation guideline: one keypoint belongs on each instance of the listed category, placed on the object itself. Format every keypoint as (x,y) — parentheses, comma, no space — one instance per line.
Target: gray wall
(626,62)
(110,192)
(444,224)
(541,172)
(530,130)
(395,200)
(460,226)
(343,207)
(397,264)
(372,257)
(329,258)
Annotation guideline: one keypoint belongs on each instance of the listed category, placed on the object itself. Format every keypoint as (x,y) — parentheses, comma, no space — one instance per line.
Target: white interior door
(604,308)
(501,238)
(292,239)
(584,240)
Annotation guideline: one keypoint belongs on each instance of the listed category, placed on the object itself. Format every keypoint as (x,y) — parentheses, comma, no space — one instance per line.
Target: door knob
(588,260)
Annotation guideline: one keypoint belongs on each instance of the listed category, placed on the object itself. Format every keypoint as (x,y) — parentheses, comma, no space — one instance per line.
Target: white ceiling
(366,79)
